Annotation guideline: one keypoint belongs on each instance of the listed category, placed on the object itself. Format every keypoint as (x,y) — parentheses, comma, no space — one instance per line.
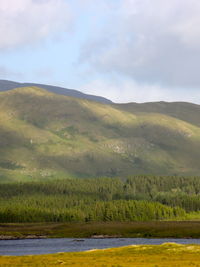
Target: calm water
(46,246)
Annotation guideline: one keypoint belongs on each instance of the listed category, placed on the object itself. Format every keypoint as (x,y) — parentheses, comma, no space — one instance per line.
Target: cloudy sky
(125,50)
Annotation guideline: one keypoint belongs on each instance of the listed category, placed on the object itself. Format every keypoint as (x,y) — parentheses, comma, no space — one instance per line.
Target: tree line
(136,198)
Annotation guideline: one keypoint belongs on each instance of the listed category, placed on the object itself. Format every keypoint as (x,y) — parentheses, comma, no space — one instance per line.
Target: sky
(125,50)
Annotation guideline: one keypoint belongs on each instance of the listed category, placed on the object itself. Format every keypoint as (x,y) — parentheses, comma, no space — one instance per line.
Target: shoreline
(5,238)
(99,230)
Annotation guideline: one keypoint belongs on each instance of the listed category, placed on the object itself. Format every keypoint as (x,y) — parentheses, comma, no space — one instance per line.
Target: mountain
(9,85)
(46,135)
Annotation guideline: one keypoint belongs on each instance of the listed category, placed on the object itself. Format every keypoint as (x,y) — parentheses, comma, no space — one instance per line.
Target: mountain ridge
(6,85)
(182,110)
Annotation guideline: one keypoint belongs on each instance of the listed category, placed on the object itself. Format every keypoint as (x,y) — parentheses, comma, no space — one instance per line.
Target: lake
(54,245)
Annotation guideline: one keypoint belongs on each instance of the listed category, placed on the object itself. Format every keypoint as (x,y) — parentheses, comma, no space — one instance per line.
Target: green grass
(168,254)
(44,135)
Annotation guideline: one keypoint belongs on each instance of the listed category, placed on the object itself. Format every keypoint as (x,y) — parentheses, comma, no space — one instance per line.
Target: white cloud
(27,21)
(44,73)
(150,41)
(6,73)
(124,91)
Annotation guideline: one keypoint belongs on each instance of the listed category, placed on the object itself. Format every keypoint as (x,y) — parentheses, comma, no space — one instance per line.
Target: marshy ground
(157,229)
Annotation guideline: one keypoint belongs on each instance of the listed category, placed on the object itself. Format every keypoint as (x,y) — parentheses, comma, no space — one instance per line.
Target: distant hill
(46,135)
(9,85)
(181,110)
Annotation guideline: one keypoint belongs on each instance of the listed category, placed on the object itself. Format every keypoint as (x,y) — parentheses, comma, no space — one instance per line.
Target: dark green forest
(136,198)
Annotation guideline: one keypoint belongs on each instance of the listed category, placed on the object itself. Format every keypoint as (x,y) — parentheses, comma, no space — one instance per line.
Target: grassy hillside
(6,85)
(181,110)
(44,135)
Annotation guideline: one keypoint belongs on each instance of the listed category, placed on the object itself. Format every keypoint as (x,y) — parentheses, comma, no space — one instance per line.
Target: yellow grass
(168,254)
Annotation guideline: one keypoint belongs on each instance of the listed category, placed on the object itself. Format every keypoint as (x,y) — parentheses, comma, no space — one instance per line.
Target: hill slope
(181,110)
(9,85)
(46,135)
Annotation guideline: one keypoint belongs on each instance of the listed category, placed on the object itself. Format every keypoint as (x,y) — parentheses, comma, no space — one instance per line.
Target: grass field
(166,255)
(164,229)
